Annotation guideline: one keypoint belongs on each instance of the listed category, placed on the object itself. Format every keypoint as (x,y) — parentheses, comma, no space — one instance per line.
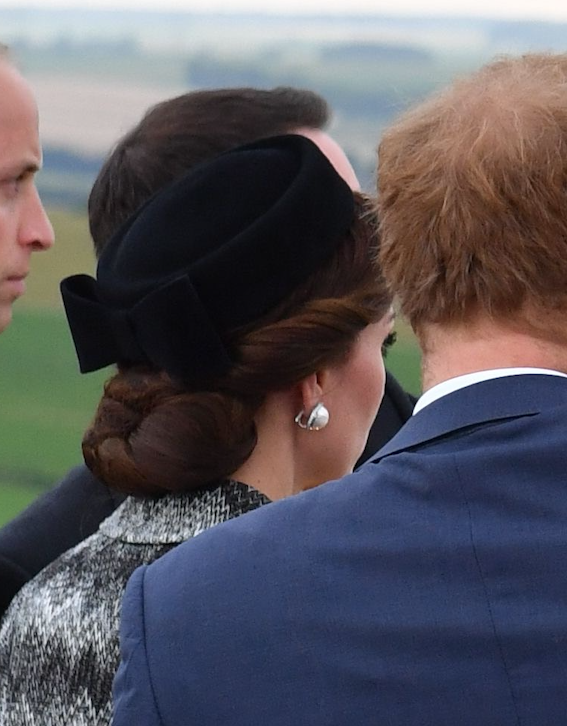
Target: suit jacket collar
(492,400)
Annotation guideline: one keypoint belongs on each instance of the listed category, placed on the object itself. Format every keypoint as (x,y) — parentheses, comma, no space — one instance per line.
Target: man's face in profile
(24,227)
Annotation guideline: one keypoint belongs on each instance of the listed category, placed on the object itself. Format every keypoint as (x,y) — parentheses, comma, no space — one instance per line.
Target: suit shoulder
(285,537)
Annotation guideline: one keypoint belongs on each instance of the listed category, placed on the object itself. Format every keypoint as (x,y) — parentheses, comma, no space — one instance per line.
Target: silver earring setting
(316,420)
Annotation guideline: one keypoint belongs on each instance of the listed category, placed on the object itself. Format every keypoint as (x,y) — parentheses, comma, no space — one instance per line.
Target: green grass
(403,359)
(14,498)
(45,403)
(72,252)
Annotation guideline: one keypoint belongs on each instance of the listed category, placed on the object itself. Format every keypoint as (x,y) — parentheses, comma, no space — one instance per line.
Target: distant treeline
(366,82)
(342,72)
(67,177)
(64,160)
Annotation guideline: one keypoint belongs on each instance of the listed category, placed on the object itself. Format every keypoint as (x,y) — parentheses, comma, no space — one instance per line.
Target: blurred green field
(403,359)
(46,403)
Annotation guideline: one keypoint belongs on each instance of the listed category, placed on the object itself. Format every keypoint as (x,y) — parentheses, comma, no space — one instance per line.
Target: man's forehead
(20,149)
(17,100)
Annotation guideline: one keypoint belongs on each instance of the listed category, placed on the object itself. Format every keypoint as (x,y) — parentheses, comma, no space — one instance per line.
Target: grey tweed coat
(59,646)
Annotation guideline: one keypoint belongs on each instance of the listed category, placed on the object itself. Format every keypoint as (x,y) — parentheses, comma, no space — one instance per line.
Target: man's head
(179,133)
(472,191)
(24,227)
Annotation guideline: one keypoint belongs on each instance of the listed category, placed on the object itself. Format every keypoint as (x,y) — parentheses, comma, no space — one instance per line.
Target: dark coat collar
(493,400)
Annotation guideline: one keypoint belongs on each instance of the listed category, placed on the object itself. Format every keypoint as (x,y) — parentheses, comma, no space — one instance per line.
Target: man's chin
(5,316)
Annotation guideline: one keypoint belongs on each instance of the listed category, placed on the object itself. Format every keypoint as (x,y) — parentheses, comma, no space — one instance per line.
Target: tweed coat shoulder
(59,646)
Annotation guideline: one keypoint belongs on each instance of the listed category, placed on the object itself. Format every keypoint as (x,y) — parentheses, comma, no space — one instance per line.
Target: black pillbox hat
(216,249)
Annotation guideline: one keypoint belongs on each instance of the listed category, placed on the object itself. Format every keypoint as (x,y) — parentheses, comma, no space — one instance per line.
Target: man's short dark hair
(181,132)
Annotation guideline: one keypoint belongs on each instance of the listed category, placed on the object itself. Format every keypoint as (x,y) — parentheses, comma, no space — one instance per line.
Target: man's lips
(16,284)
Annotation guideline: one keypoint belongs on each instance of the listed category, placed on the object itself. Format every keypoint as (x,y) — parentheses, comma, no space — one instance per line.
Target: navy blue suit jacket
(429,588)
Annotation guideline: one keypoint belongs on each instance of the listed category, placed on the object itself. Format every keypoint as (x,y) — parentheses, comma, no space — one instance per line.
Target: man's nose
(36,229)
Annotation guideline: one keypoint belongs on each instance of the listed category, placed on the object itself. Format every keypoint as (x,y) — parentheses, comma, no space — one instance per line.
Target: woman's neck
(271,468)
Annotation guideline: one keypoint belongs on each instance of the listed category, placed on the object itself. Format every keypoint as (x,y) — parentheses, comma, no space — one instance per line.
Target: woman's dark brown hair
(179,133)
(152,435)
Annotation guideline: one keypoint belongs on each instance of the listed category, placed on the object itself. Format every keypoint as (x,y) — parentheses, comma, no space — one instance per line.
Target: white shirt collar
(455,384)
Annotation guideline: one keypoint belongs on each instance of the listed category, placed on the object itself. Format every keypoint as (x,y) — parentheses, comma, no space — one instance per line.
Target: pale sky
(514,9)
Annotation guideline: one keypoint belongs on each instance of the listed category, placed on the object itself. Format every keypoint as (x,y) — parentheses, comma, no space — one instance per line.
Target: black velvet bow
(188,347)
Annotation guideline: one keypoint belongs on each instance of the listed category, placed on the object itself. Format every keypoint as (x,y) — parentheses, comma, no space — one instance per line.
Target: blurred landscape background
(96,71)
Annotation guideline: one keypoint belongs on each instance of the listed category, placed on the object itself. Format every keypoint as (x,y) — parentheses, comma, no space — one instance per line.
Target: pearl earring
(317,419)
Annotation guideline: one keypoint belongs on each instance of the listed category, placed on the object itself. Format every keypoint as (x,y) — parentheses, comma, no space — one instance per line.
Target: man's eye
(388,343)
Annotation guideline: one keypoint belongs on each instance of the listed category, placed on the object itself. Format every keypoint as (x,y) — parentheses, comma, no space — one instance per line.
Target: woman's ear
(313,414)
(312,389)
(309,392)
